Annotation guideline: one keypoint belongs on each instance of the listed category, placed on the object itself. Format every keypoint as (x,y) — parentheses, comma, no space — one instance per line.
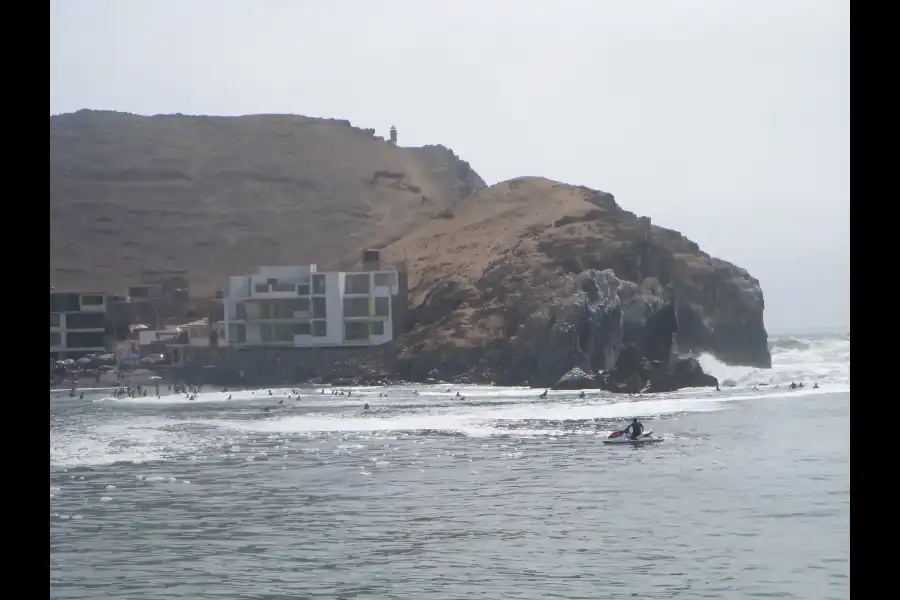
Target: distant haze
(727,120)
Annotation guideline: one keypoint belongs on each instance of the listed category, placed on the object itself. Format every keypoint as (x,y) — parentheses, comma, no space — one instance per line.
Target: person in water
(636,429)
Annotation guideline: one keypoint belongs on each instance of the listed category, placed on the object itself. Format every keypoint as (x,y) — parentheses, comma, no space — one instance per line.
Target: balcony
(268,288)
(302,318)
(280,292)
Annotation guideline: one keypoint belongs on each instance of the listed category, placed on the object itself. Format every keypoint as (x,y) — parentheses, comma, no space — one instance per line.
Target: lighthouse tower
(393,134)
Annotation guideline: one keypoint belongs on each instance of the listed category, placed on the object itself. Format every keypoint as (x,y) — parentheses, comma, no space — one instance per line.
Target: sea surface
(497,495)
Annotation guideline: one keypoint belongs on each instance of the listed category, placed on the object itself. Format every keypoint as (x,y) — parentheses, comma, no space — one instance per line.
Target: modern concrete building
(300,307)
(77,324)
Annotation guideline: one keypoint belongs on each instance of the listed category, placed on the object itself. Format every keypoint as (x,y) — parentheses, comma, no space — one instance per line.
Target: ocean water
(499,495)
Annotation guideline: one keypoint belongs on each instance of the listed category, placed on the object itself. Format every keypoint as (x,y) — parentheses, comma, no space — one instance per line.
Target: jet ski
(617,437)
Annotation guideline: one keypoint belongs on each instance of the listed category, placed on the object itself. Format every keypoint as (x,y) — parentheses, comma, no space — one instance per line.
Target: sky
(726,120)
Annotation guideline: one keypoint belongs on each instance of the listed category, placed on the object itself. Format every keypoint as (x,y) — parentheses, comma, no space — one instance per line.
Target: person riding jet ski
(636,429)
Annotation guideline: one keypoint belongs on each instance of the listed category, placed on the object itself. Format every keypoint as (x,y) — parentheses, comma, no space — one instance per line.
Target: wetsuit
(636,429)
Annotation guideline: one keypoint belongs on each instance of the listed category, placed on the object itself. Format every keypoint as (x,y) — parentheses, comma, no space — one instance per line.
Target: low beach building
(198,342)
(302,307)
(77,324)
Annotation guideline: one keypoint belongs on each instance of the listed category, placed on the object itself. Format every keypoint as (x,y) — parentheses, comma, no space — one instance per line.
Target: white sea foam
(482,422)
(175,430)
(134,440)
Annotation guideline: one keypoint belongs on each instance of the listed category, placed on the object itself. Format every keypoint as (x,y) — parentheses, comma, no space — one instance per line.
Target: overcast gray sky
(728,120)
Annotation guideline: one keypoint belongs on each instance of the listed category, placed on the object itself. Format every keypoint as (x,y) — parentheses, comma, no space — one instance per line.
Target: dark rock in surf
(619,352)
(686,373)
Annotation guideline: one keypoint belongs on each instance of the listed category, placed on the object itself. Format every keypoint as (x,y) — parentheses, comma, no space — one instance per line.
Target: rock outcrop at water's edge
(534,278)
(533,282)
(620,350)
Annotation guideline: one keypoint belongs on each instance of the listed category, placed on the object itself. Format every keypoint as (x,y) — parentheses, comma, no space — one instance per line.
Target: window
(356,283)
(265,310)
(261,288)
(318,282)
(241,310)
(139,291)
(385,279)
(319,329)
(283,333)
(217,313)
(303,288)
(60,302)
(55,338)
(377,328)
(302,329)
(382,307)
(85,339)
(285,309)
(54,319)
(92,300)
(318,308)
(82,320)
(253,310)
(237,333)
(265,332)
(356,330)
(356,307)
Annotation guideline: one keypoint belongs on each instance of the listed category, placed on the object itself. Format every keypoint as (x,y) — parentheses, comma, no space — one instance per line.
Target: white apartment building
(300,307)
(77,324)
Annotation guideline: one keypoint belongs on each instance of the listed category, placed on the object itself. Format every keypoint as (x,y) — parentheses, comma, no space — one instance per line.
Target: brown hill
(220,195)
(504,285)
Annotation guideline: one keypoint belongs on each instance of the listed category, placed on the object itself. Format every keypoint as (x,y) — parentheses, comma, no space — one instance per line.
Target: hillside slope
(532,277)
(221,195)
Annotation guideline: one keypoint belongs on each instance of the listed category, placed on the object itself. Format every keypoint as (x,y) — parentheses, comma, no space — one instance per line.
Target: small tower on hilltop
(393,134)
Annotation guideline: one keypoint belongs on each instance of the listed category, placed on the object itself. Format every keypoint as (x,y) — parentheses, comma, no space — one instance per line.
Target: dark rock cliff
(535,278)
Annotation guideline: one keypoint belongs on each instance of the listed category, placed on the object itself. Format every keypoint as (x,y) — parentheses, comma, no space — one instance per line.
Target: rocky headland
(551,285)
(527,282)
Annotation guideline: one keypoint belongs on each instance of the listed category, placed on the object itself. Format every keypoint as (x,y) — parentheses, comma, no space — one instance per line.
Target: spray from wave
(822,359)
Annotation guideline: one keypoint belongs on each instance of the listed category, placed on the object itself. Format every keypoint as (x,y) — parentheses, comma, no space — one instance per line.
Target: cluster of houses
(277,306)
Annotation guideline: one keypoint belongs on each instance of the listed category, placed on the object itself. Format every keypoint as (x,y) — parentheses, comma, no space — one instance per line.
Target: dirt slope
(221,195)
